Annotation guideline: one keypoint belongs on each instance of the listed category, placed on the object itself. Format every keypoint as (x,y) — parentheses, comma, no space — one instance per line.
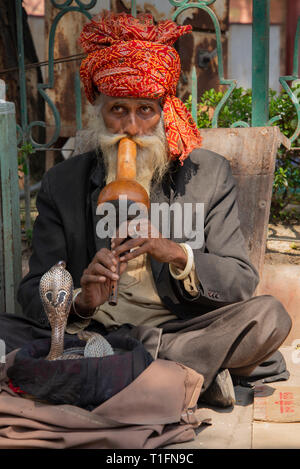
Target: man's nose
(131,126)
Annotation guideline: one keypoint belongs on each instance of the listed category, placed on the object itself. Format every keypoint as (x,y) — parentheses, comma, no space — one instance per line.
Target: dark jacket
(65,230)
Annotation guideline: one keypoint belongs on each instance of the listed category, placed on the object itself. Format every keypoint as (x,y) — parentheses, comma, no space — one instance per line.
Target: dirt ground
(283,244)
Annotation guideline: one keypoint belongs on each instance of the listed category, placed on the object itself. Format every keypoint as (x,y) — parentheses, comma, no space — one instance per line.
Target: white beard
(152,156)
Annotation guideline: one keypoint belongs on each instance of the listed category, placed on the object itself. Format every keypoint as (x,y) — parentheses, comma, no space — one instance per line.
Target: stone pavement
(235,428)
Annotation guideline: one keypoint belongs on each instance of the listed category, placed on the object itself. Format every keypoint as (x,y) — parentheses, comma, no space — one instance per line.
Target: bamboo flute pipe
(125,184)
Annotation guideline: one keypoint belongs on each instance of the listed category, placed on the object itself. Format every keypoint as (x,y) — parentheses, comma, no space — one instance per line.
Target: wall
(240,41)
(240,55)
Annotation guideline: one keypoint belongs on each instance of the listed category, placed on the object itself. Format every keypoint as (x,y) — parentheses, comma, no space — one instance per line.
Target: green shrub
(25,150)
(286,187)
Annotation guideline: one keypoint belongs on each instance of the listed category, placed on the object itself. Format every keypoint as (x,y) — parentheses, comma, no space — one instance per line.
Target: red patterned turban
(133,57)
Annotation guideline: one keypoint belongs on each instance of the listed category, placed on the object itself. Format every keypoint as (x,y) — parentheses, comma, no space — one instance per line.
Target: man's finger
(87,279)
(130,244)
(123,267)
(106,258)
(135,253)
(101,270)
(134,228)
(120,235)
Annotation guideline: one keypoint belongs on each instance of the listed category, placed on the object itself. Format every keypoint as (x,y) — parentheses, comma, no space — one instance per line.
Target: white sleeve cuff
(189,265)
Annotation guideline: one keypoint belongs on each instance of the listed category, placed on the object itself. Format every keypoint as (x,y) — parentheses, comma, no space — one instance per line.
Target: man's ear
(99,101)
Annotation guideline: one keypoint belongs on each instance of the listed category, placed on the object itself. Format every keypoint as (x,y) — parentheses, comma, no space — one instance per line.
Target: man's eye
(146,109)
(117,109)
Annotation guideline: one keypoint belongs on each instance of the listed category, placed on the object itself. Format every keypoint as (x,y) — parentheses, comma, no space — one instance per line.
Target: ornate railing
(260,73)
(260,67)
(283,81)
(25,129)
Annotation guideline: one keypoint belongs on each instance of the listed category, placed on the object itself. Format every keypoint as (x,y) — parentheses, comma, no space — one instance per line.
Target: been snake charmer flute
(124,184)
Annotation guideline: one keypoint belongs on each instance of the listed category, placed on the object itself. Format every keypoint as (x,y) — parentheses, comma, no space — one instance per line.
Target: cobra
(56,292)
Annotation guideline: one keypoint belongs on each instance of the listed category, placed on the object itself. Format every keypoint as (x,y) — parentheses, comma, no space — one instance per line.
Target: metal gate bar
(10,252)
(260,62)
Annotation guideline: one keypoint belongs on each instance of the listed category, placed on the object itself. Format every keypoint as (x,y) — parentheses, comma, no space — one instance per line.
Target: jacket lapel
(163,192)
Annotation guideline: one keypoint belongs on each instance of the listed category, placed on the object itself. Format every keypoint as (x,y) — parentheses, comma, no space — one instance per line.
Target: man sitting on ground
(198,301)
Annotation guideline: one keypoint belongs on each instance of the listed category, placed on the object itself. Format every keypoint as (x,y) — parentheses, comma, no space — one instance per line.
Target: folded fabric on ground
(82,382)
(157,408)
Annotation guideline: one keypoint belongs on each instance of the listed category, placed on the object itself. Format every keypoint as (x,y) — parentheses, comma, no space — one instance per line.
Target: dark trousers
(239,337)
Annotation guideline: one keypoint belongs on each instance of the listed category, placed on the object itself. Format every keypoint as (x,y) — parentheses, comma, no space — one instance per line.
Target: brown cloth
(156,409)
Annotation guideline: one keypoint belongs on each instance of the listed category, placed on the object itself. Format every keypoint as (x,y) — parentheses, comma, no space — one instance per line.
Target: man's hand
(96,280)
(151,242)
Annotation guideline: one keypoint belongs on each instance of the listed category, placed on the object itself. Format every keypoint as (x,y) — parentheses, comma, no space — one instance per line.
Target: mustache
(108,140)
(152,153)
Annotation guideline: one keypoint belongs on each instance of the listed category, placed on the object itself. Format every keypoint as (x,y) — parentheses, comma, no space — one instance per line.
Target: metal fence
(260,85)
(260,73)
